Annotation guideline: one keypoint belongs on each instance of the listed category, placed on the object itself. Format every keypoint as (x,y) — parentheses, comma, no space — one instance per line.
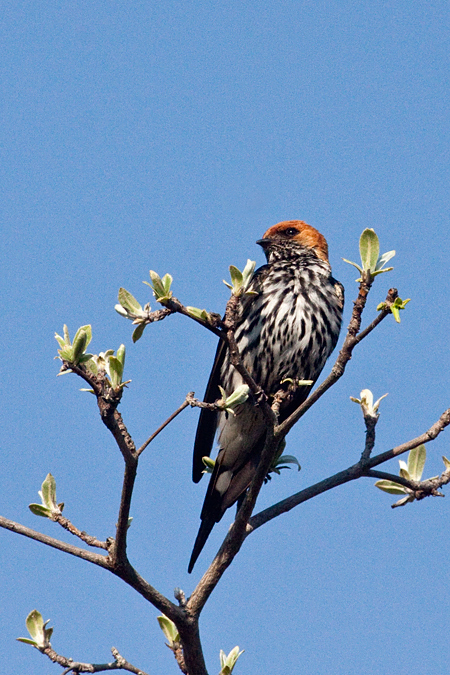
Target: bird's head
(293,234)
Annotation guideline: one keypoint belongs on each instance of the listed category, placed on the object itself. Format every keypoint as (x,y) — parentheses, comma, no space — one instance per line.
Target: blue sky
(170,136)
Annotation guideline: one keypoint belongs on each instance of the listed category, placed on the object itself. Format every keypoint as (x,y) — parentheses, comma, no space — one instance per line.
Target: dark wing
(207,423)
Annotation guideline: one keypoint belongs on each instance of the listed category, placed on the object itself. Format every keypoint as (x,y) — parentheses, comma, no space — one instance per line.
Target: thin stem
(184,405)
(370,420)
(70,665)
(383,475)
(87,538)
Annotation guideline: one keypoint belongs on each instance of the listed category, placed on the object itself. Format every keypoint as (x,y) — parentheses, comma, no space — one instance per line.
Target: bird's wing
(207,423)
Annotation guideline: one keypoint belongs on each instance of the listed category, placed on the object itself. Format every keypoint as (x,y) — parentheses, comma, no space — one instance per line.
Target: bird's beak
(264,243)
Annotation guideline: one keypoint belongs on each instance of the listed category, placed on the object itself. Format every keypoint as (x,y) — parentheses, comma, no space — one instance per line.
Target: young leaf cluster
(40,634)
(240,281)
(49,506)
(160,286)
(372,263)
(368,407)
(130,308)
(394,307)
(227,662)
(229,403)
(75,352)
(411,470)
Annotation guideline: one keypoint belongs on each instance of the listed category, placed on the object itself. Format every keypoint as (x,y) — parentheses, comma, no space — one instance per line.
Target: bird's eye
(291,231)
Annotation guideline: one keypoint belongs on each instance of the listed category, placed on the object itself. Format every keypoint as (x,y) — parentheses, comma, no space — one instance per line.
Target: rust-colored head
(297,231)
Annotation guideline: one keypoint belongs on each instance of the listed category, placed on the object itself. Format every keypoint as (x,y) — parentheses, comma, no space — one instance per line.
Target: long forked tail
(203,534)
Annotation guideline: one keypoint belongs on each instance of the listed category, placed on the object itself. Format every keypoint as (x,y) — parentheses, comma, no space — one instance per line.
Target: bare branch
(358,470)
(428,436)
(70,527)
(118,551)
(95,558)
(107,400)
(70,665)
(184,405)
(213,325)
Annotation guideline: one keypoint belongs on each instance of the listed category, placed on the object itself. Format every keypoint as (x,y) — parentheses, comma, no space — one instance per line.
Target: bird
(286,329)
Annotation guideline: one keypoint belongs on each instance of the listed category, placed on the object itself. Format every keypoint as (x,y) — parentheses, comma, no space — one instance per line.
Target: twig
(214,324)
(70,665)
(370,420)
(184,405)
(384,475)
(70,527)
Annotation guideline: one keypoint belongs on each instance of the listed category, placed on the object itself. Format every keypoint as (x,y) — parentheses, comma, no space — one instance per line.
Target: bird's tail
(203,534)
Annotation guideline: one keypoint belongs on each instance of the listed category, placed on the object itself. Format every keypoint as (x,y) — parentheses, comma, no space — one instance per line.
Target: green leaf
(66,335)
(197,313)
(121,355)
(39,510)
(27,641)
(167,282)
(403,501)
(390,487)
(129,302)
(288,459)
(79,344)
(236,276)
(404,473)
(161,287)
(209,464)
(91,366)
(48,491)
(66,354)
(35,626)
(227,663)
(60,340)
(84,358)
(169,629)
(247,272)
(446,462)
(138,331)
(354,265)
(115,371)
(416,462)
(383,259)
(88,330)
(369,248)
(386,269)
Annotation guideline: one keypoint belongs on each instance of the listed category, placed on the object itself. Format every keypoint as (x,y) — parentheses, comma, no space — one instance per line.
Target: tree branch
(358,470)
(237,533)
(70,527)
(70,665)
(95,558)
(184,405)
